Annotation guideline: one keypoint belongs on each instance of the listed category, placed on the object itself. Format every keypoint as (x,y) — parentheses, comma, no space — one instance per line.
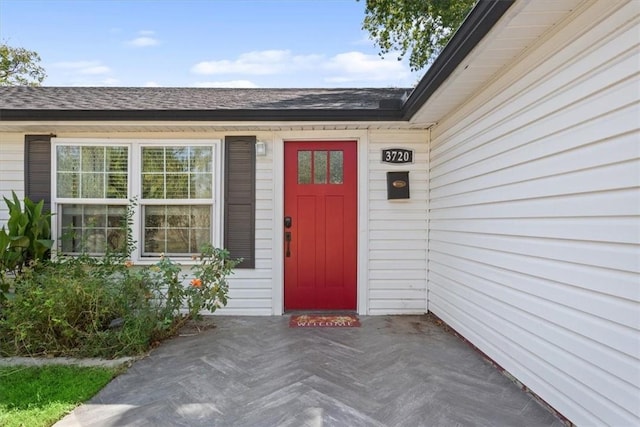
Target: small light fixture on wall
(261,148)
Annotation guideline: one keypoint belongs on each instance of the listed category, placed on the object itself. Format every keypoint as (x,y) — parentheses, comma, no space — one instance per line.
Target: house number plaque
(397,156)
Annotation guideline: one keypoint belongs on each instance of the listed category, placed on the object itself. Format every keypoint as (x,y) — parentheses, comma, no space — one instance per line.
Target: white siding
(397,229)
(534,241)
(11,170)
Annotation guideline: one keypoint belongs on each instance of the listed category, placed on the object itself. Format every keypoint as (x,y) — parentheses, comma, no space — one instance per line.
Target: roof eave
(477,24)
(304,115)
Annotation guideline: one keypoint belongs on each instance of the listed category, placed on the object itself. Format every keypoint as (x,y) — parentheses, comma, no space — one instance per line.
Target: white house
(513,215)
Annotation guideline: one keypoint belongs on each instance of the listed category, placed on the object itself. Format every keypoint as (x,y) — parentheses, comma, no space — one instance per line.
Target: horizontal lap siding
(11,170)
(397,246)
(535,218)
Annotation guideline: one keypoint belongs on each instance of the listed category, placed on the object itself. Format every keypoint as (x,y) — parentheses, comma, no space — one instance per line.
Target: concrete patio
(256,371)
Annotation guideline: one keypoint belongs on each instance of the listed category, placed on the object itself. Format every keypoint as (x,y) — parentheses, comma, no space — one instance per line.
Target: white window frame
(134,183)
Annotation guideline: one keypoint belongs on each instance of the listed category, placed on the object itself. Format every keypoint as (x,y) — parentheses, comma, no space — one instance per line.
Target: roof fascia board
(201,115)
(473,29)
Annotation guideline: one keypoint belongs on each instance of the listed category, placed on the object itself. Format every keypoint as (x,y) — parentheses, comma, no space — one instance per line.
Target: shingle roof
(137,98)
(87,102)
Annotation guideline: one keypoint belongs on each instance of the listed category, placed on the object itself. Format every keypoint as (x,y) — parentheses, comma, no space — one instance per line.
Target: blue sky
(190,43)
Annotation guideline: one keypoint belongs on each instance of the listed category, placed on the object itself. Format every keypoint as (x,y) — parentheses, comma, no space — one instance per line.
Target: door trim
(361,138)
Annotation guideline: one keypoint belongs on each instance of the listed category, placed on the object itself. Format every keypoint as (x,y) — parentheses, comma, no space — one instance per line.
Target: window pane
(319,167)
(152,159)
(201,186)
(117,186)
(95,216)
(92,186)
(67,184)
(177,186)
(155,216)
(201,217)
(177,173)
(117,159)
(94,229)
(176,230)
(154,239)
(68,158)
(335,167)
(178,241)
(177,216)
(304,167)
(152,186)
(177,159)
(116,216)
(92,159)
(201,159)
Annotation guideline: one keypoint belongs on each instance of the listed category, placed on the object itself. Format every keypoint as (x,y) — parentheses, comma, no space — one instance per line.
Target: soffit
(37,127)
(518,30)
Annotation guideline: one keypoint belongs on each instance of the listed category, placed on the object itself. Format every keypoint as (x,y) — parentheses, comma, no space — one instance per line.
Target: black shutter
(37,169)
(240,198)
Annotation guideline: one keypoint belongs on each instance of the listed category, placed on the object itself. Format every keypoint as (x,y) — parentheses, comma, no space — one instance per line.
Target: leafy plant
(419,28)
(26,239)
(208,290)
(103,306)
(20,67)
(99,307)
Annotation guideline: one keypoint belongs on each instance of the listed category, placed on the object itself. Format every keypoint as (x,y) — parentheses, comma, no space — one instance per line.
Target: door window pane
(304,167)
(319,167)
(336,168)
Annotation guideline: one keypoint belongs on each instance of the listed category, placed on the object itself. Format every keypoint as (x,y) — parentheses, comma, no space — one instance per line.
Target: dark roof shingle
(117,103)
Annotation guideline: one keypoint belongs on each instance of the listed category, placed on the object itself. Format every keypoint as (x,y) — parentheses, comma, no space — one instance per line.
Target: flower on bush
(196,283)
(128,263)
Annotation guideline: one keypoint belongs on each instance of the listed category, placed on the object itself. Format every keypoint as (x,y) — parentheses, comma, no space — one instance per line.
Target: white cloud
(347,68)
(259,63)
(84,67)
(143,41)
(152,84)
(357,66)
(104,82)
(98,69)
(228,84)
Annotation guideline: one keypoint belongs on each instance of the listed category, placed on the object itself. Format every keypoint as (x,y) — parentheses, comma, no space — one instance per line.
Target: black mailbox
(397,185)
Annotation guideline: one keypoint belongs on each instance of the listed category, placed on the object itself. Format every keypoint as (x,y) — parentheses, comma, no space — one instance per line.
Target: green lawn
(40,396)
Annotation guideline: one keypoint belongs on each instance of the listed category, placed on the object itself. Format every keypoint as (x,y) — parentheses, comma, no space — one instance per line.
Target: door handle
(287,238)
(287,222)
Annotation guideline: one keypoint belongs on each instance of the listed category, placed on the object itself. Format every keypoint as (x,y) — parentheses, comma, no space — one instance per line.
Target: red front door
(320,208)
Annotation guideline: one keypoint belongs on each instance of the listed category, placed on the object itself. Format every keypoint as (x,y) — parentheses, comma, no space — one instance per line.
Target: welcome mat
(324,321)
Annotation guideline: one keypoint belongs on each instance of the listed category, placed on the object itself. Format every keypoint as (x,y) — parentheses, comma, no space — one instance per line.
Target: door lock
(287,222)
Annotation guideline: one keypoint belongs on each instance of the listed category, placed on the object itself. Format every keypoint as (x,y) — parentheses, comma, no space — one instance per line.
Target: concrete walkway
(256,371)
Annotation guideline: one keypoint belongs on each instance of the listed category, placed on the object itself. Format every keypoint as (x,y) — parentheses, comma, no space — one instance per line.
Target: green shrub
(90,307)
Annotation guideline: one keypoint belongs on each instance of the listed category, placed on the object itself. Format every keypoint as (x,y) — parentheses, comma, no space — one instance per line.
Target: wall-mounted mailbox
(397,185)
